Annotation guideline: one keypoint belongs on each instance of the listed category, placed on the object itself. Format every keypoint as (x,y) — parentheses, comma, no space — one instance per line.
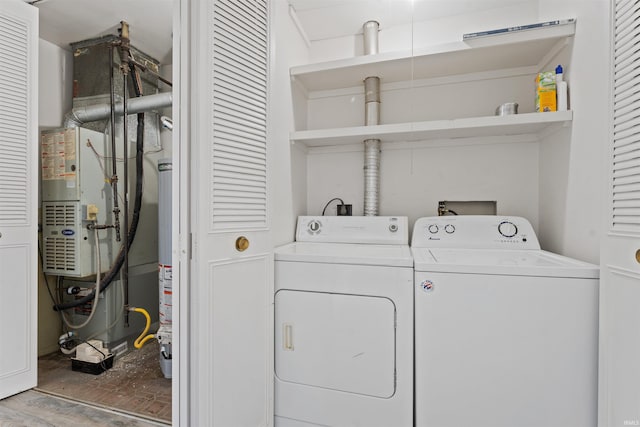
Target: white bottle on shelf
(561,89)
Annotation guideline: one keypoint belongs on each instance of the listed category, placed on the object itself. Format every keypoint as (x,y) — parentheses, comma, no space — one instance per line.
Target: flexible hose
(143,338)
(97,294)
(115,268)
(117,318)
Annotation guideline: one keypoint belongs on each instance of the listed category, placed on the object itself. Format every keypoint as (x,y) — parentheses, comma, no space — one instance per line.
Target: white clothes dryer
(344,324)
(506,334)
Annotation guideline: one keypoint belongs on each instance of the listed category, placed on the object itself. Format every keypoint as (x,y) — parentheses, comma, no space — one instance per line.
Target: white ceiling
(66,21)
(322,19)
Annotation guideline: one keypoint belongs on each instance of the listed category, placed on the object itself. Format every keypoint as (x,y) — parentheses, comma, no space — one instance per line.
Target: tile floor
(134,385)
(36,409)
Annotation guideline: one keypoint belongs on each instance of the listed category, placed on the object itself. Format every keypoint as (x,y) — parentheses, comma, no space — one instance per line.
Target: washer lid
(504,262)
(346,253)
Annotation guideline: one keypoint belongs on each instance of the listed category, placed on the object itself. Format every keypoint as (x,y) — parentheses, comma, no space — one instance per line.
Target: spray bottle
(561,88)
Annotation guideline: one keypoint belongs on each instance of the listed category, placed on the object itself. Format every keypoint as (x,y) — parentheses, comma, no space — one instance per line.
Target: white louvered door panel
(625,189)
(18,196)
(619,395)
(239,151)
(232,286)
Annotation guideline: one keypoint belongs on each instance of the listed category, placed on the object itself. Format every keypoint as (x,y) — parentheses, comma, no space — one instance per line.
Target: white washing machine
(344,324)
(505,334)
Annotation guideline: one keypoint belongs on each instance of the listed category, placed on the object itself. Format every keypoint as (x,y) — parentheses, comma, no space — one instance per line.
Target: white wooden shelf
(517,124)
(514,50)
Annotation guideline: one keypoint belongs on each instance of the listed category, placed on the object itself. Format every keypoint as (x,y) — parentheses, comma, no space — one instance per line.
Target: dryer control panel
(474,231)
(380,230)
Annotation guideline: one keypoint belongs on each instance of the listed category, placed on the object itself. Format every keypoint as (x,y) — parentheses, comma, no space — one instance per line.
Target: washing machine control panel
(474,231)
(383,230)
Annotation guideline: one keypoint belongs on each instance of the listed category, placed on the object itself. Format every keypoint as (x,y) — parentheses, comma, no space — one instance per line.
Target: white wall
(55,84)
(415,179)
(571,163)
(288,165)
(415,176)
(424,32)
(55,79)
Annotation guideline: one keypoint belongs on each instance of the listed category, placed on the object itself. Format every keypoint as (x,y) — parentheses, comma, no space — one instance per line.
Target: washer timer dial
(507,229)
(314,227)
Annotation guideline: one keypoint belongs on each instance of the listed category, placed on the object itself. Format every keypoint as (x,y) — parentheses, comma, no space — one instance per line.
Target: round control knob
(449,228)
(507,229)
(433,229)
(314,227)
(393,228)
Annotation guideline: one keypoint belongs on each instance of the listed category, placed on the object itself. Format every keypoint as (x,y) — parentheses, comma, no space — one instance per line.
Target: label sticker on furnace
(427,286)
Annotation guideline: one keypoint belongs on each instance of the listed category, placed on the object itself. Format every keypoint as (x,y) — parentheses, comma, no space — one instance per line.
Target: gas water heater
(165,268)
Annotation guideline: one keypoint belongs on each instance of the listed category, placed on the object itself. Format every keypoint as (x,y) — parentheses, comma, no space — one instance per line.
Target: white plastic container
(561,88)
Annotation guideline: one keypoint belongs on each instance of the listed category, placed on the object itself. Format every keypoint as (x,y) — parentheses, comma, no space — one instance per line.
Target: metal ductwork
(91,113)
(371,118)
(370,34)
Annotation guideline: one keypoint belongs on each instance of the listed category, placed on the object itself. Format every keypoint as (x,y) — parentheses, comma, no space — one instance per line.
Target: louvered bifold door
(232,282)
(619,352)
(625,215)
(239,118)
(18,195)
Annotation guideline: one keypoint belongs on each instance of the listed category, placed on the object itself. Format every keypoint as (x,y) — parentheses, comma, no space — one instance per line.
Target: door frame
(181,211)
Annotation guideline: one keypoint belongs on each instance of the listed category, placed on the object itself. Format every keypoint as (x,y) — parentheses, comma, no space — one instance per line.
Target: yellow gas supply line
(142,339)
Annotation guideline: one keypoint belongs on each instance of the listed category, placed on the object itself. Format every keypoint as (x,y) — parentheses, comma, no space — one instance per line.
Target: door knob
(242,244)
(638,255)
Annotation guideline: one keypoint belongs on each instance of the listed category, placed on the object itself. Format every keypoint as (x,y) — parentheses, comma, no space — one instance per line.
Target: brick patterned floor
(134,385)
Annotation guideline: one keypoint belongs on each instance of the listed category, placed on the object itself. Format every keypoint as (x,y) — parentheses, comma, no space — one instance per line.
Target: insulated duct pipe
(371,147)
(371,176)
(92,113)
(371,118)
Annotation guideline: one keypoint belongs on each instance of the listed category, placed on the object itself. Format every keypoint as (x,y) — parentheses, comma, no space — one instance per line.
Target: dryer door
(336,341)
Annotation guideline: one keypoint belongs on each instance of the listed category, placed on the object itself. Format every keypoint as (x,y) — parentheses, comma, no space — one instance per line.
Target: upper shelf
(528,48)
(516,124)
